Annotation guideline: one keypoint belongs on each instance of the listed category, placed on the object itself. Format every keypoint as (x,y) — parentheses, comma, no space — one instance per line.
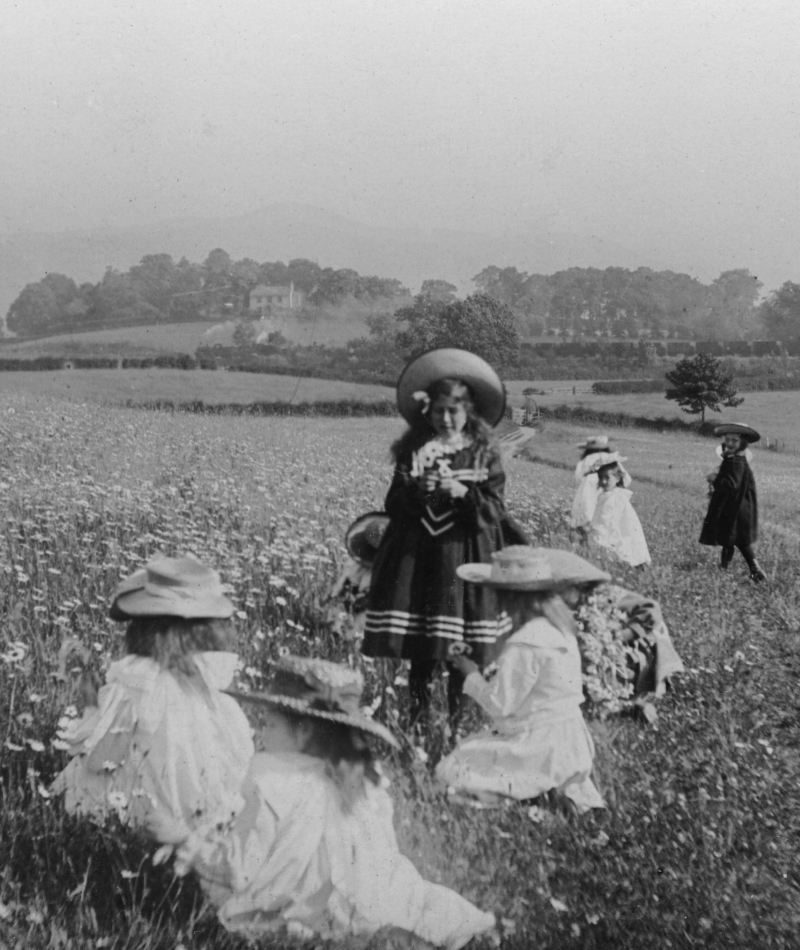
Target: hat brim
(738,428)
(569,570)
(301,706)
(613,459)
(355,541)
(487,388)
(139,603)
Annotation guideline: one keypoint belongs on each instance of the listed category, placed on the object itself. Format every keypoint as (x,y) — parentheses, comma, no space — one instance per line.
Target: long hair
(547,604)
(422,431)
(172,641)
(350,761)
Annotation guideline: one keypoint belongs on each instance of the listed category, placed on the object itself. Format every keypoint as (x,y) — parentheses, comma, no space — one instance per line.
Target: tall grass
(697,847)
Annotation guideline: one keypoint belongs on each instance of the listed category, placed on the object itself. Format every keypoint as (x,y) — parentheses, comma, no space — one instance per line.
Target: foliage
(607,676)
(480,323)
(780,312)
(700,383)
(697,848)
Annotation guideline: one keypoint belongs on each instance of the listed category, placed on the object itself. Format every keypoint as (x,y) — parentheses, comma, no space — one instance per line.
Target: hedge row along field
(698,845)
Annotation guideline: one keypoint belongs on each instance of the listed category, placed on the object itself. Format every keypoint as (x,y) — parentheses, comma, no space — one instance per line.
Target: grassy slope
(774,414)
(213,386)
(698,846)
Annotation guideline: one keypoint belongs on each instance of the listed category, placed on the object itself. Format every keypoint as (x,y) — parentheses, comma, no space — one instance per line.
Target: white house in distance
(263,299)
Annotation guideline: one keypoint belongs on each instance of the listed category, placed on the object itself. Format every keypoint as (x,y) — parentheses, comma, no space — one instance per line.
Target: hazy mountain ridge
(286,231)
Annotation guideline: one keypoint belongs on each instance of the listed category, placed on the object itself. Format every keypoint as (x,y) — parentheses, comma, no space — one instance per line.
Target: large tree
(780,312)
(701,383)
(480,324)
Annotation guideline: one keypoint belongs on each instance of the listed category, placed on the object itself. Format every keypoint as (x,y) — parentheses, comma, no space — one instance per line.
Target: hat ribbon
(422,397)
(340,699)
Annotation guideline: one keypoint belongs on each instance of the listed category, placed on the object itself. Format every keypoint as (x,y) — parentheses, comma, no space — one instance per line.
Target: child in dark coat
(732,518)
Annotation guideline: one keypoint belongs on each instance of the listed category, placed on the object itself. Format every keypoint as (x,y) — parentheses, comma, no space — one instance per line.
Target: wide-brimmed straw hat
(488,392)
(738,428)
(524,568)
(600,443)
(320,689)
(601,459)
(364,535)
(172,587)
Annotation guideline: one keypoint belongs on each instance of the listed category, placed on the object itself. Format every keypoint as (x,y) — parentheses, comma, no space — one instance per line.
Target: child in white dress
(596,451)
(314,850)
(163,734)
(615,524)
(538,741)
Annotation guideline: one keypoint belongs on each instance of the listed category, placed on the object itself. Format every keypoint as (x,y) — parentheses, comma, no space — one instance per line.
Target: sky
(667,125)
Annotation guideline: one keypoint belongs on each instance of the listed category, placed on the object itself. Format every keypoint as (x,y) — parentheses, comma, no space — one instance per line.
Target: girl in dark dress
(732,518)
(446,508)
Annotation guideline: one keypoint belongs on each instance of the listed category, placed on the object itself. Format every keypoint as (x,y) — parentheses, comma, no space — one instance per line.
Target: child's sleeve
(405,496)
(517,671)
(483,502)
(233,859)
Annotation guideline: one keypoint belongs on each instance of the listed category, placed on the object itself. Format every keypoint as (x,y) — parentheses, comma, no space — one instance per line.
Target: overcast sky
(663,124)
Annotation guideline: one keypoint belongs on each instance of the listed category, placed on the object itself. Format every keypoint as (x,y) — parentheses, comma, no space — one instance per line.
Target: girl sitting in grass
(537,742)
(162,732)
(314,850)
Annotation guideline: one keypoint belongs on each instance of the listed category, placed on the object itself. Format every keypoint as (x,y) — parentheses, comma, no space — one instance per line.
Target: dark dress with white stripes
(417,605)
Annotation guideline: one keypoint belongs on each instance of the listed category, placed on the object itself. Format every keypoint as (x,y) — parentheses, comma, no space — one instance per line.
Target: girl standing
(615,524)
(537,741)
(732,518)
(445,506)
(587,489)
(314,850)
(162,731)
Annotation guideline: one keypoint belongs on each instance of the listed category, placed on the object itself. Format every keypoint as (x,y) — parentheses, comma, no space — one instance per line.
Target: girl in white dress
(537,741)
(163,734)
(615,524)
(596,451)
(314,851)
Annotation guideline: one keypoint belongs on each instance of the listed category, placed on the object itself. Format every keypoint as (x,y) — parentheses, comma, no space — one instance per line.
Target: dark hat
(364,535)
(320,689)
(738,428)
(488,392)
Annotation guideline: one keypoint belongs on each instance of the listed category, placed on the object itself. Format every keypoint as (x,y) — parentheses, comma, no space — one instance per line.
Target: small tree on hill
(701,383)
(480,324)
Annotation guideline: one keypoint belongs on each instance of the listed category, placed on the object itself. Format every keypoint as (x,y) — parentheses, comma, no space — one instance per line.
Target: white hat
(520,567)
(172,587)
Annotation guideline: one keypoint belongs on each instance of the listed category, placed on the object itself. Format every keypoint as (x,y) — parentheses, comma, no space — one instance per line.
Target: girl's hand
(166,829)
(464,665)
(428,482)
(454,488)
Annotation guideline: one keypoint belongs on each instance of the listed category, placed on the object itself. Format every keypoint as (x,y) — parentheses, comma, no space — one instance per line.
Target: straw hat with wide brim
(738,428)
(364,535)
(488,392)
(524,568)
(321,689)
(597,443)
(172,587)
(602,459)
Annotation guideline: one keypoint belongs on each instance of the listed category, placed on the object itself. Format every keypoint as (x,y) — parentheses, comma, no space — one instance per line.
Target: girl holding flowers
(445,506)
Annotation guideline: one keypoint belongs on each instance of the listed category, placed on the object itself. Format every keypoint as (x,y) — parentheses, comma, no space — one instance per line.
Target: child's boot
(756,572)
(726,557)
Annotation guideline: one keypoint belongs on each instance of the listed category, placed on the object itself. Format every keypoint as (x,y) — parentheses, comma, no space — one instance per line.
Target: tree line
(158,290)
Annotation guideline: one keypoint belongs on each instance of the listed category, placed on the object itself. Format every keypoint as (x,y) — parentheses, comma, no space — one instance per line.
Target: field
(115,386)
(328,330)
(774,414)
(698,846)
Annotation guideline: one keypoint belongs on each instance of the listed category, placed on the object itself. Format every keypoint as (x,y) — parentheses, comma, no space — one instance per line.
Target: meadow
(698,845)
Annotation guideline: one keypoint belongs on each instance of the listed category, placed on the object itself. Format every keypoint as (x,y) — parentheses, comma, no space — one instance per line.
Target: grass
(698,845)
(774,414)
(139,386)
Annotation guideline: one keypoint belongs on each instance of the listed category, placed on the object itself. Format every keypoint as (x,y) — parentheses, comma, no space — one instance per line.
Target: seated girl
(162,730)
(347,608)
(537,741)
(314,850)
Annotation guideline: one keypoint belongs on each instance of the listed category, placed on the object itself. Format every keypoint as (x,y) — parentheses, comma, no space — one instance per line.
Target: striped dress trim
(402,623)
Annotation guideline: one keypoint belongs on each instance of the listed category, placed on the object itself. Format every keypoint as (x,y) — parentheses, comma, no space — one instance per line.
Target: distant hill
(286,231)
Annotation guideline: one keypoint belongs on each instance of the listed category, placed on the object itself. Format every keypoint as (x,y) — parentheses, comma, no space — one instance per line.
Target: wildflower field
(699,844)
